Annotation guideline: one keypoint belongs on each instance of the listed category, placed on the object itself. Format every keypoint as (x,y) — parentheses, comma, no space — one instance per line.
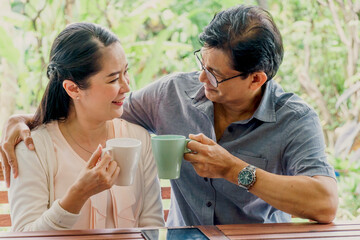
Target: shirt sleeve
(305,150)
(29,197)
(141,107)
(152,213)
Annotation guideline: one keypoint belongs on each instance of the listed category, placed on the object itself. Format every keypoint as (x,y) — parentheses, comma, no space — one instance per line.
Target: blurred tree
(321,62)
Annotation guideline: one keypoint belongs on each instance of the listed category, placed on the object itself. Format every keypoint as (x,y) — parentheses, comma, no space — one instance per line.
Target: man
(259,154)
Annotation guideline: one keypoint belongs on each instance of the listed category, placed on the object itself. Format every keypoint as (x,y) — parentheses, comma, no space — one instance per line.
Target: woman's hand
(99,174)
(15,131)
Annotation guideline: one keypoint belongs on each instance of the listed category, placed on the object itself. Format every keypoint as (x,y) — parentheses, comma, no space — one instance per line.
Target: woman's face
(103,99)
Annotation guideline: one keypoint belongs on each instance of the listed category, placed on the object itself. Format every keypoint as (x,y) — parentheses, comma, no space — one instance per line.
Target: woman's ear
(258,79)
(72,89)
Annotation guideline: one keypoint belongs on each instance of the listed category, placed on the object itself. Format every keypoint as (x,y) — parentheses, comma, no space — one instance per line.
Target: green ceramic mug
(168,152)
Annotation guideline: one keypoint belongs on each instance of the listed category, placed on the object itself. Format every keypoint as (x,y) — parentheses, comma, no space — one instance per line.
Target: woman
(65,184)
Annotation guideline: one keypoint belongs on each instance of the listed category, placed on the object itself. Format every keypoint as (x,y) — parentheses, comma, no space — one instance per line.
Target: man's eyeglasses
(209,74)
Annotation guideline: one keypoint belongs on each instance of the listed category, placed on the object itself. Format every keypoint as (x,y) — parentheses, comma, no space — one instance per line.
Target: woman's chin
(118,113)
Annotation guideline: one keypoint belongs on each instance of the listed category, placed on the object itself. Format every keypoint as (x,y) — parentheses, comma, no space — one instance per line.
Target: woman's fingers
(115,174)
(111,167)
(104,168)
(94,157)
(104,161)
(113,170)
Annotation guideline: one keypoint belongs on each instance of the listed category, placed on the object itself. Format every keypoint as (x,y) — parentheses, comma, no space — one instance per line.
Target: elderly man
(259,154)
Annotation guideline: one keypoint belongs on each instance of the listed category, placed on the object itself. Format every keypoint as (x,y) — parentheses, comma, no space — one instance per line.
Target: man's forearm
(306,197)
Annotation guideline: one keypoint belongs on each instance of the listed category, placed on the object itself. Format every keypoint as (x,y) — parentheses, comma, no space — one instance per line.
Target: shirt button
(205,179)
(230,129)
(208,204)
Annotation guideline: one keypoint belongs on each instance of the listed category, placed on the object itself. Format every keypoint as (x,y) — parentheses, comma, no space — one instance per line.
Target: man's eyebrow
(217,72)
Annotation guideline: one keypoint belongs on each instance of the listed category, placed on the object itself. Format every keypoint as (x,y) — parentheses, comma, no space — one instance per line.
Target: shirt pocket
(238,195)
(252,159)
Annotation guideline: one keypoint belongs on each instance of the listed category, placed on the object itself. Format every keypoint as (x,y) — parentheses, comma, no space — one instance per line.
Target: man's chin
(211,95)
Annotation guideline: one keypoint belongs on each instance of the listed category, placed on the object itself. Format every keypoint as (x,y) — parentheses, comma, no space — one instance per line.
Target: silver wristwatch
(247,177)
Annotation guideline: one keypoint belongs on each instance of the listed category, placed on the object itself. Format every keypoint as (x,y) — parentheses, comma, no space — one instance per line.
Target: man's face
(234,91)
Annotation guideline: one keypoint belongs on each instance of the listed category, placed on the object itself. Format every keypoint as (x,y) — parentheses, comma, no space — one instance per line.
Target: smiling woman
(74,185)
(106,89)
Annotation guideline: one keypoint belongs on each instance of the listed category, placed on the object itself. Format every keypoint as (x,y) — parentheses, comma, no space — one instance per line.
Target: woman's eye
(115,80)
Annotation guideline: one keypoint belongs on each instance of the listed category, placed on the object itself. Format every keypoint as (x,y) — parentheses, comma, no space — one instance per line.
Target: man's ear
(72,89)
(258,79)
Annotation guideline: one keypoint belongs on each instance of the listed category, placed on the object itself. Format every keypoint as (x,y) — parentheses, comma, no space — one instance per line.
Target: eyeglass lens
(209,75)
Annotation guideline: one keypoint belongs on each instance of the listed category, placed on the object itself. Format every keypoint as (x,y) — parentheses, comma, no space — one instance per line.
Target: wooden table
(289,231)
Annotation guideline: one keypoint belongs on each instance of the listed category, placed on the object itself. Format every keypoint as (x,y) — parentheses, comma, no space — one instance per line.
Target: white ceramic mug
(126,152)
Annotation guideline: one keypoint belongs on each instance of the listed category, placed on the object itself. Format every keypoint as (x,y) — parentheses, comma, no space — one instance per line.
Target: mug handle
(104,150)
(186,150)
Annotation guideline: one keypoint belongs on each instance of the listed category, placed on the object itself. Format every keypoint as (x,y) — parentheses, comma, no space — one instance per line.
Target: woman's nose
(124,85)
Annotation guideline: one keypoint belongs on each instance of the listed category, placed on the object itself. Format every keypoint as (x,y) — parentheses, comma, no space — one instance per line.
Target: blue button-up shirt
(284,136)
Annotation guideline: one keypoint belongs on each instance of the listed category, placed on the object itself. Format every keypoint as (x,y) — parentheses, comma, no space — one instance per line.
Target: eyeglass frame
(211,74)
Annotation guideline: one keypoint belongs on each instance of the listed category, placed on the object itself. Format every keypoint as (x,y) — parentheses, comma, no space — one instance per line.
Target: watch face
(246,178)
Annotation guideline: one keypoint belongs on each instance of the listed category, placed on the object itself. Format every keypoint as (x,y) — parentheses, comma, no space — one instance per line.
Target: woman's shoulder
(42,132)
(36,133)
(41,138)
(129,129)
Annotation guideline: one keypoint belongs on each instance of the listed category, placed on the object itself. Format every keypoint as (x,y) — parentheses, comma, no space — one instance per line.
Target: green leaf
(152,65)
(7,48)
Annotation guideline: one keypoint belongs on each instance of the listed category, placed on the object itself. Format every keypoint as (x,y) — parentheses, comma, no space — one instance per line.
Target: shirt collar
(196,93)
(265,112)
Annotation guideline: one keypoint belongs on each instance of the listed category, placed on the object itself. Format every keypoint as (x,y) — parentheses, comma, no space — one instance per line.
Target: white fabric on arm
(31,194)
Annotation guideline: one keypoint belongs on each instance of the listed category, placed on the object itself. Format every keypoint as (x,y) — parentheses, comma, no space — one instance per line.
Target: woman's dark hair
(75,56)
(250,36)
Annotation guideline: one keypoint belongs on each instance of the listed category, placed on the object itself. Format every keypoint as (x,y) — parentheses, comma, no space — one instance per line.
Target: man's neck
(225,114)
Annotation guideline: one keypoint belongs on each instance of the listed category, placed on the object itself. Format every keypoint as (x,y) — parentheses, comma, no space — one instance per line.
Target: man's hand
(15,131)
(303,196)
(211,160)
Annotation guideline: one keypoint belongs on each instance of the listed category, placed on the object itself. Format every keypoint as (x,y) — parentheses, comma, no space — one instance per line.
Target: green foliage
(7,48)
(349,196)
(159,37)
(348,179)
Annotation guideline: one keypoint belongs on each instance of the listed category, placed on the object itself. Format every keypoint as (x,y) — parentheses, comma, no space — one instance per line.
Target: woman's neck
(84,136)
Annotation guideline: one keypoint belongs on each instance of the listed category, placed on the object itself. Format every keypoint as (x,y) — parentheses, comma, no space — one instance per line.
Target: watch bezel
(251,169)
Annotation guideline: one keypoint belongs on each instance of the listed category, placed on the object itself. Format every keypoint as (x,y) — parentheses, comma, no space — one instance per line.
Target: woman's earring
(77,98)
